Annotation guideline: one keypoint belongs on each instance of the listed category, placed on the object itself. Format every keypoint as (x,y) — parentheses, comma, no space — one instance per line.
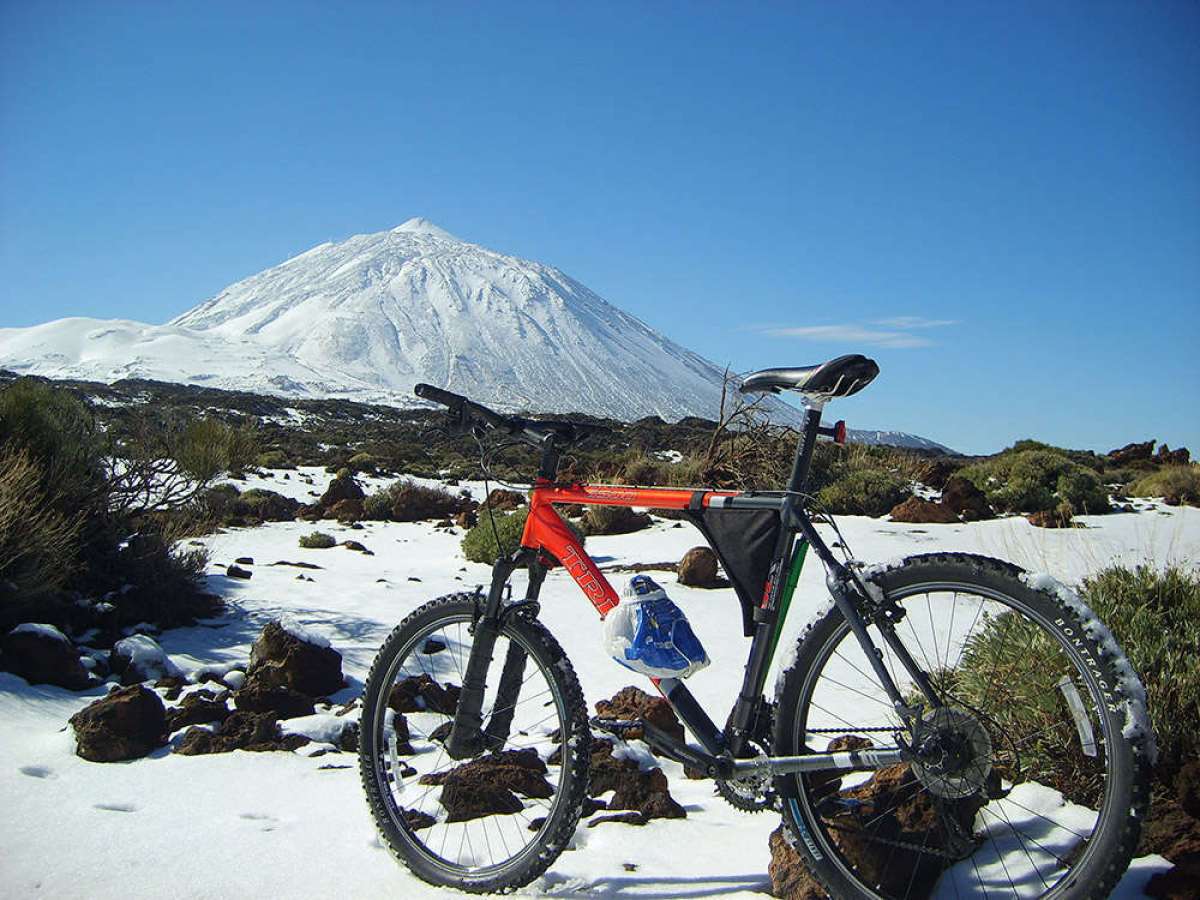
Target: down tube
(545,530)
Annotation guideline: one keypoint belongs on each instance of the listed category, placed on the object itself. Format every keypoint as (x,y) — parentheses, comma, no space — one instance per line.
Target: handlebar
(532,430)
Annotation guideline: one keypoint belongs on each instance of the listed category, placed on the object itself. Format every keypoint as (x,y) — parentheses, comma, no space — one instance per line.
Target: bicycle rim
(1003,823)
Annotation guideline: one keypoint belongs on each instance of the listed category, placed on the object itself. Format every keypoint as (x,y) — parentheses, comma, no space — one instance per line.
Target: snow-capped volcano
(368,317)
(415,303)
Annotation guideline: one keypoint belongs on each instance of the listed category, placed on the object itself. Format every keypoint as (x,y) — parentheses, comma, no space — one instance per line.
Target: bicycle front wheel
(1030,776)
(493,821)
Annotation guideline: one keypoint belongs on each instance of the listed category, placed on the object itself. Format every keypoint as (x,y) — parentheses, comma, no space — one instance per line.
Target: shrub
(479,544)
(408,501)
(274,459)
(207,447)
(1176,484)
(317,540)
(1031,479)
(39,548)
(1155,614)
(1082,491)
(864,492)
(361,462)
(613,520)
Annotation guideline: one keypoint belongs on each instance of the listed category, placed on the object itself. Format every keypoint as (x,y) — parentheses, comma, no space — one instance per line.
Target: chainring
(752,793)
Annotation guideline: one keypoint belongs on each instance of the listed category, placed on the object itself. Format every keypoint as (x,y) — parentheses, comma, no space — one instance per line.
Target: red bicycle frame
(545,531)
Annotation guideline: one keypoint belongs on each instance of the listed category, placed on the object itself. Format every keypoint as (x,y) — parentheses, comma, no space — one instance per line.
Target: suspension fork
(466,737)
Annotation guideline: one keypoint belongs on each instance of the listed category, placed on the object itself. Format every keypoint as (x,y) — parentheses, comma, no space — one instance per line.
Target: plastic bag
(649,634)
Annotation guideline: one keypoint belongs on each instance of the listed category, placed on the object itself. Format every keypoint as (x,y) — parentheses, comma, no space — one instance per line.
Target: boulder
(1051,518)
(127,724)
(286,655)
(281,701)
(420,693)
(343,487)
(1168,457)
(466,519)
(357,548)
(197,708)
(916,510)
(240,731)
(888,809)
(1178,883)
(632,703)
(140,658)
(489,785)
(41,654)
(502,500)
(1170,831)
(643,791)
(1122,456)
(698,568)
(236,571)
(961,496)
(347,511)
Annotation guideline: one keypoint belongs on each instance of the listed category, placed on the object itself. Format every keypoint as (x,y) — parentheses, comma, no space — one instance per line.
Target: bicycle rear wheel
(495,821)
(1031,780)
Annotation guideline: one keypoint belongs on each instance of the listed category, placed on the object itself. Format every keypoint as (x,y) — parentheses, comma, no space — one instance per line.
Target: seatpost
(804,451)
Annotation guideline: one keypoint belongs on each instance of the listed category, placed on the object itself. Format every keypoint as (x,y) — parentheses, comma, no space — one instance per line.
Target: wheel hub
(954,753)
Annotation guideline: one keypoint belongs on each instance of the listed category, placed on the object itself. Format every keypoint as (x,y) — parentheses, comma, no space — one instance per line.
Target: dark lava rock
(626,818)
(489,785)
(889,807)
(645,792)
(962,497)
(347,511)
(1178,883)
(1049,518)
(280,659)
(245,560)
(404,746)
(357,548)
(240,731)
(127,724)
(1131,453)
(343,487)
(916,510)
(502,500)
(197,708)
(417,820)
(41,654)
(239,572)
(432,646)
(632,703)
(283,702)
(420,693)
(698,568)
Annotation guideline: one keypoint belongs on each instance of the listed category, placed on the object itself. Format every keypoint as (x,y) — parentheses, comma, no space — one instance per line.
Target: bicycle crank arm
(817,762)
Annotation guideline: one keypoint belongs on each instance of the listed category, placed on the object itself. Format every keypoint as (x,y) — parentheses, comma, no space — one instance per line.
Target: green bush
(317,540)
(361,462)
(1155,615)
(864,492)
(274,459)
(1082,491)
(39,545)
(406,500)
(207,447)
(614,520)
(479,544)
(1030,479)
(1176,484)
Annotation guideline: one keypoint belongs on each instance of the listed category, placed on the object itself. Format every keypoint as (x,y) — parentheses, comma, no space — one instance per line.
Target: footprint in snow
(115,807)
(269,822)
(37,771)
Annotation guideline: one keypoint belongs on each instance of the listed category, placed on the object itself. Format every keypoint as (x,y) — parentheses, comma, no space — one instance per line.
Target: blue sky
(998,202)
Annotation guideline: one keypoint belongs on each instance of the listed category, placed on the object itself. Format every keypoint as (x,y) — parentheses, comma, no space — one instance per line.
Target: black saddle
(839,377)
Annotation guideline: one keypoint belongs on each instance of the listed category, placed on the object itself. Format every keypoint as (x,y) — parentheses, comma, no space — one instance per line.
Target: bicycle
(899,769)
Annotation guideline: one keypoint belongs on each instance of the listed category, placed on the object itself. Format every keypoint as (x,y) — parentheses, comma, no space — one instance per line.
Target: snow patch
(41,629)
(300,632)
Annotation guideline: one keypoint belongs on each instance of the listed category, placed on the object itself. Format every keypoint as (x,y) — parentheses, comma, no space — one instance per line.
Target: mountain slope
(416,304)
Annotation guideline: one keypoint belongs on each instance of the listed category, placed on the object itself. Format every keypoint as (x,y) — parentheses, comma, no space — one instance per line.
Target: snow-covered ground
(291,825)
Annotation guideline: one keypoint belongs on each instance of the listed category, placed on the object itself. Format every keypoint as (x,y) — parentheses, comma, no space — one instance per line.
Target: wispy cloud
(895,332)
(913,322)
(851,334)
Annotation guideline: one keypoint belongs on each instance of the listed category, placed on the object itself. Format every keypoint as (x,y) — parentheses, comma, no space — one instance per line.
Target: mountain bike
(947,725)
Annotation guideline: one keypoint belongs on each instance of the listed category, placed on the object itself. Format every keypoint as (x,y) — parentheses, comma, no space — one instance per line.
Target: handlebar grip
(437,395)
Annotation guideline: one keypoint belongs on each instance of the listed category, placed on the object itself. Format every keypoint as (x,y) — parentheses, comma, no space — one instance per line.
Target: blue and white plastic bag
(650,634)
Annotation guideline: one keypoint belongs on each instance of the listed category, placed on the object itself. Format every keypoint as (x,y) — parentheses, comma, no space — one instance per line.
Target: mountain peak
(418,225)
